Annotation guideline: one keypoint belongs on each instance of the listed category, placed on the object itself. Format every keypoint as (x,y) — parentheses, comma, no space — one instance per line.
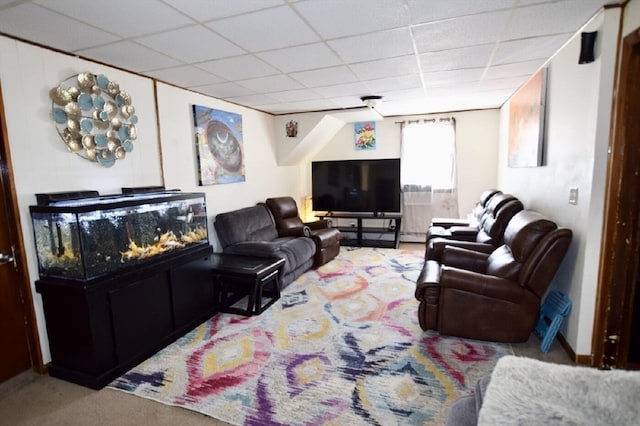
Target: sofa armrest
(319,224)
(481,285)
(448,222)
(301,231)
(463,258)
(427,281)
(464,233)
(255,248)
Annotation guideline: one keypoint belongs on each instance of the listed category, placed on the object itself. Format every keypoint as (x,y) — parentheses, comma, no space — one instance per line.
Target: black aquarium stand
(98,329)
(368,236)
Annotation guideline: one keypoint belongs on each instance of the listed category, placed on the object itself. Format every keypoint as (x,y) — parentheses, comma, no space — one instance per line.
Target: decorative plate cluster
(94,118)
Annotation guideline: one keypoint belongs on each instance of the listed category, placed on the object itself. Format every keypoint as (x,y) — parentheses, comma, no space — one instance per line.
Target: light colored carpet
(525,391)
(341,346)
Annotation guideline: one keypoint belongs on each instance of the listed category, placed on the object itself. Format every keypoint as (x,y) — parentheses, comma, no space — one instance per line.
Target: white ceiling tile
(301,58)
(294,95)
(410,106)
(225,90)
(191,44)
(266,29)
(205,10)
(239,67)
(441,78)
(129,55)
(325,76)
(462,32)
(455,48)
(478,86)
(270,84)
(510,70)
(337,18)
(557,17)
(35,23)
(395,83)
(185,76)
(255,99)
(280,108)
(398,95)
(466,57)
(369,47)
(122,17)
(427,11)
(314,105)
(347,101)
(337,90)
(393,67)
(529,48)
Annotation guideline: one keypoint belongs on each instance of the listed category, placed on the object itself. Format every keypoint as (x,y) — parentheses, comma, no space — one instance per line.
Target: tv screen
(356,185)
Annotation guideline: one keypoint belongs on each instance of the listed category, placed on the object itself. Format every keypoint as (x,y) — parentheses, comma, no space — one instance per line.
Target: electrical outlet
(573,195)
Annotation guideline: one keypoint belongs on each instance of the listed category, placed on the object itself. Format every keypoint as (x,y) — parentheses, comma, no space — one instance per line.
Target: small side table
(239,276)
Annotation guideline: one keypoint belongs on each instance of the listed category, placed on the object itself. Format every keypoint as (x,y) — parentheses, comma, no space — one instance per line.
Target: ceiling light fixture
(371,101)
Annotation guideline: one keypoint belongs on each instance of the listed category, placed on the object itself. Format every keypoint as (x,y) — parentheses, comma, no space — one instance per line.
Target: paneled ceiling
(289,56)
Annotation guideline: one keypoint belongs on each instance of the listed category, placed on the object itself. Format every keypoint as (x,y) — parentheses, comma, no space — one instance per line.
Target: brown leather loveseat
(288,223)
(496,296)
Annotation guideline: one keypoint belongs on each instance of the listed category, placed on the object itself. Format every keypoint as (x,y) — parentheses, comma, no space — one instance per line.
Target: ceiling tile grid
(291,56)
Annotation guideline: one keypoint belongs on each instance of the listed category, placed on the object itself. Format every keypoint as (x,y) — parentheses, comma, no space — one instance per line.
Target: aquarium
(86,238)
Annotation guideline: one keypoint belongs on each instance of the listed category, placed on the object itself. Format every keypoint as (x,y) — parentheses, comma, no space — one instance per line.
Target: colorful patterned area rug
(342,346)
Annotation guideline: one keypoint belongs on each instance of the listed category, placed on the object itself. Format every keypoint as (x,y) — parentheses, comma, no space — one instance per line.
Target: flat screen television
(356,186)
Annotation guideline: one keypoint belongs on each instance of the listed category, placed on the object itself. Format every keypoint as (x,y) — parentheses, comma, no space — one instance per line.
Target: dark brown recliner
(490,235)
(288,223)
(495,296)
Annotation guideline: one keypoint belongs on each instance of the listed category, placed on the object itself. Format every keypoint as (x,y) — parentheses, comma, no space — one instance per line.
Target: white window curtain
(428,173)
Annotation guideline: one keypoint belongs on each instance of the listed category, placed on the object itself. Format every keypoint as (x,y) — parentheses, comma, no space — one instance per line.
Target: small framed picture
(365,133)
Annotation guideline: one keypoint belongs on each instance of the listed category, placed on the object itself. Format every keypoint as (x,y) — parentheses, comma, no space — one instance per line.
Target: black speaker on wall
(587,45)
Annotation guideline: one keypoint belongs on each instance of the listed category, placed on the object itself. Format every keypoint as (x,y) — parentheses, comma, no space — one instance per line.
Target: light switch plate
(573,195)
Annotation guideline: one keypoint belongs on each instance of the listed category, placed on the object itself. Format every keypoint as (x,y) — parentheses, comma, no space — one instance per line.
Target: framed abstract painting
(526,122)
(219,146)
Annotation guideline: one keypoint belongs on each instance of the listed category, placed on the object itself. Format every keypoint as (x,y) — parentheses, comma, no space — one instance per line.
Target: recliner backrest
(544,262)
(493,227)
(500,210)
(247,224)
(481,207)
(285,212)
(524,231)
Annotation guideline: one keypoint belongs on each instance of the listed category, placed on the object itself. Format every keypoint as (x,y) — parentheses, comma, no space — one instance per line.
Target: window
(428,155)
(428,173)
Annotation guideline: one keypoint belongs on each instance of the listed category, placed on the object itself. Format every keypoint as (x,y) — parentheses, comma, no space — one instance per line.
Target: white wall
(477,135)
(579,101)
(41,162)
(264,178)
(631,20)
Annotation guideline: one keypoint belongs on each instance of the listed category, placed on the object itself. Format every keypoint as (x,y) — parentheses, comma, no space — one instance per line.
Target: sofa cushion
(297,251)
(248,224)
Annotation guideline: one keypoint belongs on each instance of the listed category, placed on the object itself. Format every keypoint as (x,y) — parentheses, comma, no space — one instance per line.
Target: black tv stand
(360,231)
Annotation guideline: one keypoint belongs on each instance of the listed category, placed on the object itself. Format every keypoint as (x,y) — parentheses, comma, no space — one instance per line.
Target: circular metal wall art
(94,118)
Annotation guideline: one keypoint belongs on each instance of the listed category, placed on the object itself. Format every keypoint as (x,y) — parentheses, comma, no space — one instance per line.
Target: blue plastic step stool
(554,309)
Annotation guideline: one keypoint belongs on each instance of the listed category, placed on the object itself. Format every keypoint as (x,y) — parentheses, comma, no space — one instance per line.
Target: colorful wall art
(365,133)
(219,146)
(526,122)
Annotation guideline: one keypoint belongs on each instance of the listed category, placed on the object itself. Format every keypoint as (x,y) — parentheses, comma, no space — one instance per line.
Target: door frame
(621,232)
(24,286)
